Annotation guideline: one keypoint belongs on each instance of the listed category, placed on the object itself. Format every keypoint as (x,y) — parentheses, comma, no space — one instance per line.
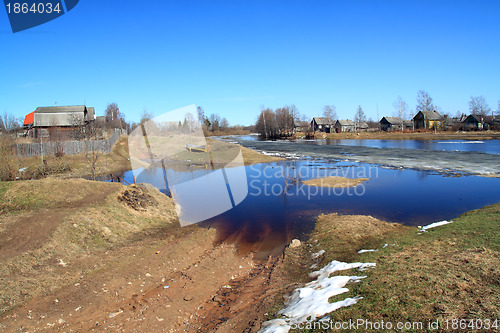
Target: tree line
(279,123)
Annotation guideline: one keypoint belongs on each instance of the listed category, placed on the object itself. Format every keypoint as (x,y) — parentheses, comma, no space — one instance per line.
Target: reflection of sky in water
(274,213)
(486,146)
(480,146)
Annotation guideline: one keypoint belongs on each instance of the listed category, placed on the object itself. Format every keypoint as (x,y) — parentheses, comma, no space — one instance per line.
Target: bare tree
(190,121)
(359,117)
(224,124)
(9,122)
(78,125)
(400,108)
(266,124)
(284,121)
(114,118)
(214,120)
(329,111)
(294,112)
(145,116)
(424,102)
(478,106)
(91,150)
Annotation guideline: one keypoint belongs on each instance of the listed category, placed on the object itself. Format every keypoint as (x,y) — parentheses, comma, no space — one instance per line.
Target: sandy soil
(335,182)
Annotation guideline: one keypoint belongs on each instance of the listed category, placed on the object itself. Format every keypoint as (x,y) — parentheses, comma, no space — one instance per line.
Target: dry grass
(334,181)
(79,165)
(450,272)
(9,164)
(86,219)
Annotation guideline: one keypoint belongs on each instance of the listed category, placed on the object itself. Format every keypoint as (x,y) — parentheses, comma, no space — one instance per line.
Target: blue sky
(231,57)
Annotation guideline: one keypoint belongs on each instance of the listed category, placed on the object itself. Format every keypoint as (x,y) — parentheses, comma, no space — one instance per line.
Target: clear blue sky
(230,57)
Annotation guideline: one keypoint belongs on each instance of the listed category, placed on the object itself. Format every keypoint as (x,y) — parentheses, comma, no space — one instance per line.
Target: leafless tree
(114,118)
(9,122)
(478,106)
(145,116)
(266,124)
(359,117)
(77,123)
(214,120)
(329,111)
(190,121)
(224,124)
(424,102)
(284,121)
(294,112)
(400,109)
(91,150)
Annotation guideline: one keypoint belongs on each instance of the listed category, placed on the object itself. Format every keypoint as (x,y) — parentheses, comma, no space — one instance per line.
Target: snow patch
(363,251)
(318,254)
(460,142)
(433,225)
(311,301)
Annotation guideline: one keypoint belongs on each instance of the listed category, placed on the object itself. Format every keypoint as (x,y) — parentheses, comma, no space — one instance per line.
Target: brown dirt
(335,182)
(124,275)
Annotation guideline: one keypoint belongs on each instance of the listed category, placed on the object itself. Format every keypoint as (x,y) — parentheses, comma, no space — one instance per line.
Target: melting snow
(311,301)
(363,251)
(318,254)
(433,225)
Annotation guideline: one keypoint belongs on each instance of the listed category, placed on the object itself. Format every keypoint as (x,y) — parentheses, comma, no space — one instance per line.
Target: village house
(428,120)
(64,119)
(395,124)
(478,122)
(361,126)
(345,125)
(321,124)
(301,126)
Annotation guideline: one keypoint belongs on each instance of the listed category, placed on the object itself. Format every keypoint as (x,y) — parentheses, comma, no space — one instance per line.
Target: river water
(279,207)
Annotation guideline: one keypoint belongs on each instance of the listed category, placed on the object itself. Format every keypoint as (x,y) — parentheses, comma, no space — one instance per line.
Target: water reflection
(279,207)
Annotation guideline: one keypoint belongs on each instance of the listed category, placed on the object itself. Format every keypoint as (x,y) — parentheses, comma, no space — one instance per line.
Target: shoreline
(488,135)
(438,275)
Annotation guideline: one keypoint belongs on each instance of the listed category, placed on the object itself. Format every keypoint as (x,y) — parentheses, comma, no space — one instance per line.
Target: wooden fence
(67,147)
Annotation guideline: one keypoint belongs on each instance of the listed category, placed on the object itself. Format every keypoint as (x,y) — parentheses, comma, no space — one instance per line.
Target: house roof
(58,109)
(301,123)
(345,122)
(363,124)
(29,118)
(429,115)
(322,120)
(392,120)
(474,117)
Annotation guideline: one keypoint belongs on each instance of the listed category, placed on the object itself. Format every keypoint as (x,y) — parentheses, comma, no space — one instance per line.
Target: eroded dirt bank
(115,260)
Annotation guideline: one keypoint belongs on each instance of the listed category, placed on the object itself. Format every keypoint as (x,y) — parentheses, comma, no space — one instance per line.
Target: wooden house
(395,124)
(64,119)
(321,124)
(344,125)
(428,120)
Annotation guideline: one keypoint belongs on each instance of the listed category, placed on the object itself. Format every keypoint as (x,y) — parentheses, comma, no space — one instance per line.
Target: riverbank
(441,276)
(116,162)
(110,256)
(397,135)
(113,256)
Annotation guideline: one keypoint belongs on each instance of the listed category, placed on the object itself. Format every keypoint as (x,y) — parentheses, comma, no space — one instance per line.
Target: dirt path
(193,286)
(170,279)
(30,231)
